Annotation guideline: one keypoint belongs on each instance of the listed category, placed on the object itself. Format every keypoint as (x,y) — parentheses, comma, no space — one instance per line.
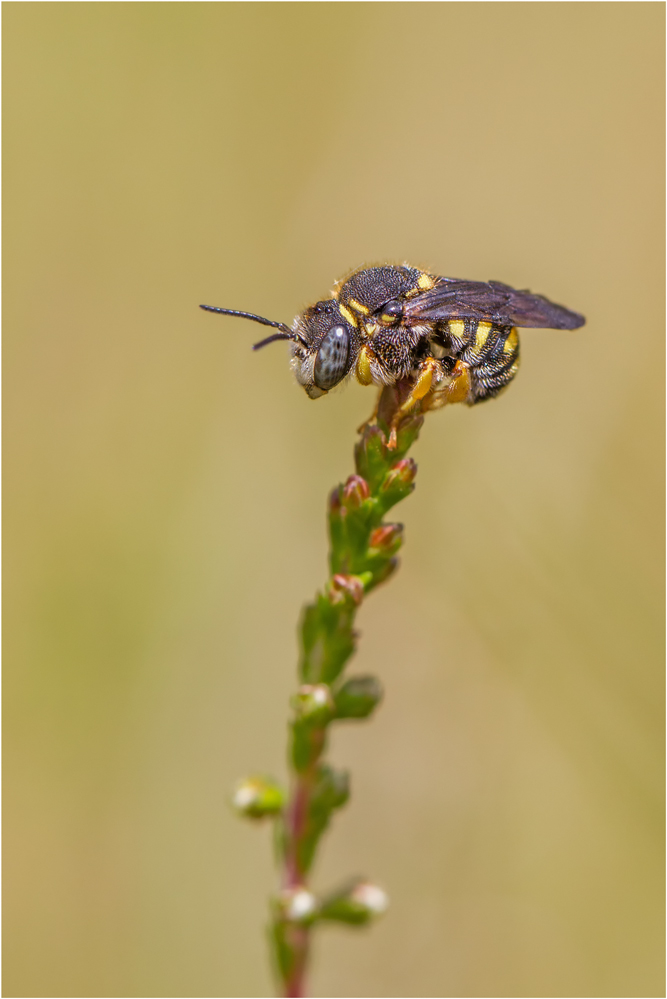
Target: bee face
(454,339)
(326,347)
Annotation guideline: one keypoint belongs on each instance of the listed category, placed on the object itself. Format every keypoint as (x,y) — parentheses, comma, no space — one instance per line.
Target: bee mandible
(455,340)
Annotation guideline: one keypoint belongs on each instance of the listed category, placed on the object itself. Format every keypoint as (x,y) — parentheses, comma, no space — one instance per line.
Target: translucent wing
(492,301)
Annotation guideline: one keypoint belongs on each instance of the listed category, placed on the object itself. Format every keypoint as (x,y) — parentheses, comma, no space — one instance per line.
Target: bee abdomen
(493,360)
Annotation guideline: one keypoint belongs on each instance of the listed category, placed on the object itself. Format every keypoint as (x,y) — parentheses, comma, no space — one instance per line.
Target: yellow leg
(458,389)
(420,388)
(363,370)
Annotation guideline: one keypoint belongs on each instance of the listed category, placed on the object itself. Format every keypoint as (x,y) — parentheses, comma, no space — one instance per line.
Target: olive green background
(165,492)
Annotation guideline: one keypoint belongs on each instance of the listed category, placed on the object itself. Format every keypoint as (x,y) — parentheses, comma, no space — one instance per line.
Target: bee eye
(331,360)
(392,312)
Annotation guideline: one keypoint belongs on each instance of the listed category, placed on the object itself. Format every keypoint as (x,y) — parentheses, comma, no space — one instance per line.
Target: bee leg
(421,387)
(458,389)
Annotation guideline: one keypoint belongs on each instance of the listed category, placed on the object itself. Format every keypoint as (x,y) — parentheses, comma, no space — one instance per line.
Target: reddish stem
(295,984)
(294,823)
(294,877)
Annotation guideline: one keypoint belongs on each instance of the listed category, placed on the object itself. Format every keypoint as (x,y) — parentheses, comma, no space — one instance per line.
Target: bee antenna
(285,332)
(278,336)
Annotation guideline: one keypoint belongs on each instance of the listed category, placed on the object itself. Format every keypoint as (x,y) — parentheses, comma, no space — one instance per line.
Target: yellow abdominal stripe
(511,343)
(481,335)
(457,328)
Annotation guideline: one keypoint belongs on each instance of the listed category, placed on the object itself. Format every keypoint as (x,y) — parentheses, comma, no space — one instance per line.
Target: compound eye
(391,312)
(331,360)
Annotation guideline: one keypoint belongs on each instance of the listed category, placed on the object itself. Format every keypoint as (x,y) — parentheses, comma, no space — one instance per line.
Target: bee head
(322,344)
(326,352)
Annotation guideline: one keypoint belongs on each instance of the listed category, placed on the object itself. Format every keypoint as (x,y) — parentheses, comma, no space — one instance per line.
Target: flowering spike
(362,555)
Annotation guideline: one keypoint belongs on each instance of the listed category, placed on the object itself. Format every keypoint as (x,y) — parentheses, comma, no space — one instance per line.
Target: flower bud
(258,797)
(313,703)
(404,471)
(398,483)
(357,903)
(343,585)
(386,539)
(355,491)
(358,697)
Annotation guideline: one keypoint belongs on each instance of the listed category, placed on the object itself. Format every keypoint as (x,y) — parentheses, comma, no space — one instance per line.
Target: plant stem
(362,555)
(299,935)
(294,825)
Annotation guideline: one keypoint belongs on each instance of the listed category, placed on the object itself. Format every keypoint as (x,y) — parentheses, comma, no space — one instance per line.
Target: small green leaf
(372,457)
(356,903)
(408,432)
(327,638)
(358,697)
(308,744)
(336,521)
(330,790)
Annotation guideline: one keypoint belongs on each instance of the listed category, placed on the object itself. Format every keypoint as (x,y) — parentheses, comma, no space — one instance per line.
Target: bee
(454,340)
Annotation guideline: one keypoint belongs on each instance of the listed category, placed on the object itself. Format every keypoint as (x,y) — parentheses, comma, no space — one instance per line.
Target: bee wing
(492,301)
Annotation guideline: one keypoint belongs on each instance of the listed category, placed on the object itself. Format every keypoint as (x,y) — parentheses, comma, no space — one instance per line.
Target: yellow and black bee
(455,340)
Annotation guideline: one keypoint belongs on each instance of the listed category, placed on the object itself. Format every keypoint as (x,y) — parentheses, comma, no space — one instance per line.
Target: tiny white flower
(320,695)
(244,795)
(371,897)
(300,904)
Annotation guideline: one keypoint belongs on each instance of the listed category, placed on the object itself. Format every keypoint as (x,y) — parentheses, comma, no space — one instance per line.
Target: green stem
(362,555)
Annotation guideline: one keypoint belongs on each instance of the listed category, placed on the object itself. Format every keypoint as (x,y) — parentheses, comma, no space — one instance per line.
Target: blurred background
(165,493)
